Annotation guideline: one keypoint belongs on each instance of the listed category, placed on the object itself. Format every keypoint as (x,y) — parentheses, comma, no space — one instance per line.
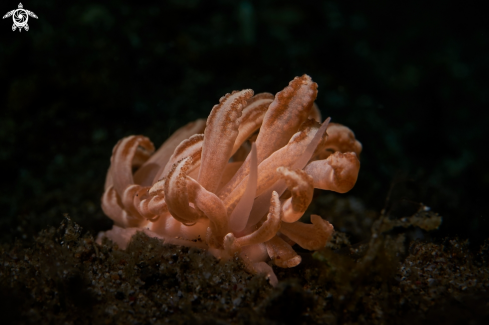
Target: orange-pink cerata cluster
(238,183)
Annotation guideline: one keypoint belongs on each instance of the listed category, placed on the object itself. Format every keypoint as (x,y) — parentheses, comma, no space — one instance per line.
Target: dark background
(409,77)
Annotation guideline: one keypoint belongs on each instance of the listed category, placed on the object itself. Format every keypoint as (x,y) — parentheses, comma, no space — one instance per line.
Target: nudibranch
(238,183)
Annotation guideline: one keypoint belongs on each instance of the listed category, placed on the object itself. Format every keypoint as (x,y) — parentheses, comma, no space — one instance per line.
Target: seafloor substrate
(64,277)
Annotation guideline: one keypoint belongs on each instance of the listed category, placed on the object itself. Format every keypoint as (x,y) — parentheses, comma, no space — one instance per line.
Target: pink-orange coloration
(238,184)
